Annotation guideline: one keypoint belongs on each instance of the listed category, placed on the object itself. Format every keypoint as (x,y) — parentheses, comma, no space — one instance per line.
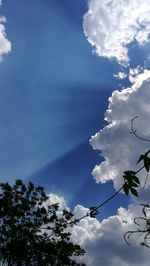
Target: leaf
(126,189)
(146,160)
(135,178)
(132,184)
(140,159)
(147,163)
(134,192)
(129,174)
(146,153)
(93,212)
(142,244)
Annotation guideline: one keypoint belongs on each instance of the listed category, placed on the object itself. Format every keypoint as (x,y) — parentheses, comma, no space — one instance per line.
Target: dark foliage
(31,231)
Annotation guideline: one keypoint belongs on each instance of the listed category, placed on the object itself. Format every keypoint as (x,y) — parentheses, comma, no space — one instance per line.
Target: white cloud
(134,72)
(5,44)
(119,148)
(111,25)
(2,19)
(53,199)
(120,75)
(103,241)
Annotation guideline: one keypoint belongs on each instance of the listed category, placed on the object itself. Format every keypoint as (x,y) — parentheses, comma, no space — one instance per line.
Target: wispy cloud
(5,44)
(110,26)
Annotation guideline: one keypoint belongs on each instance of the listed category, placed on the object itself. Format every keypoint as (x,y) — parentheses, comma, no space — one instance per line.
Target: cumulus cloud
(110,26)
(119,148)
(53,199)
(103,241)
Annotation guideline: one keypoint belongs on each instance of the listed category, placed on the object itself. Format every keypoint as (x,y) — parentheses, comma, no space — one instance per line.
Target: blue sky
(58,61)
(54,93)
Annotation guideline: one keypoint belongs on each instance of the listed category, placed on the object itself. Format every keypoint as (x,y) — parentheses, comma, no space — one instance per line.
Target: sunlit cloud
(110,26)
(118,147)
(104,241)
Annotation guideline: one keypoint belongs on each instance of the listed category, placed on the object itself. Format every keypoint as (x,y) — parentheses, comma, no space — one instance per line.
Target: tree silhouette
(31,231)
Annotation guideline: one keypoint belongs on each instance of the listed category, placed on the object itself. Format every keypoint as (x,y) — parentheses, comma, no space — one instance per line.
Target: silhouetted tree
(31,231)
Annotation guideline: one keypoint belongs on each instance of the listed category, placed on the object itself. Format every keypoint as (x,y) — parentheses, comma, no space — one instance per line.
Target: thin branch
(134,131)
(139,170)
(139,218)
(104,202)
(128,234)
(98,207)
